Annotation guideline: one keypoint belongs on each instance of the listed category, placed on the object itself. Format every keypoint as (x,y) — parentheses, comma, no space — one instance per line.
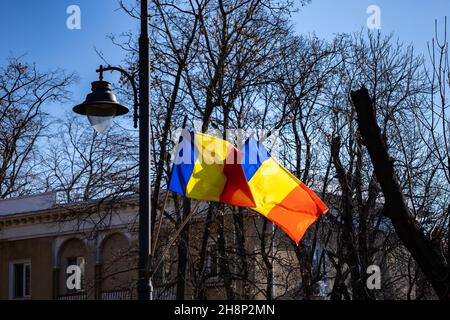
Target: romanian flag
(279,195)
(208,168)
(212,169)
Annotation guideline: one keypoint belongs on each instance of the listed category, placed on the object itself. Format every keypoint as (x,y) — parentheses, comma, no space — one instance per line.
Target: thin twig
(160,221)
(171,242)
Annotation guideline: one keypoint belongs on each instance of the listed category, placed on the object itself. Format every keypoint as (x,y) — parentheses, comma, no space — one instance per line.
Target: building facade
(88,250)
(46,247)
(52,251)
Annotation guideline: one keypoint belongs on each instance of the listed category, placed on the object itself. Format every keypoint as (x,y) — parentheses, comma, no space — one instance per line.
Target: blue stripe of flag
(254,154)
(183,164)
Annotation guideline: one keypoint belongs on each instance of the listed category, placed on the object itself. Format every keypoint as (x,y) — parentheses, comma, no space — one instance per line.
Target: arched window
(118,274)
(72,258)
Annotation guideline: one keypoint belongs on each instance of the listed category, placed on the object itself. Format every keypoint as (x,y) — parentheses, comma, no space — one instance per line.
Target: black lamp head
(101,102)
(101,106)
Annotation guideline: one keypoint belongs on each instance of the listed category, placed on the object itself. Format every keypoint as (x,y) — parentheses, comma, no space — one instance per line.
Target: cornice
(64,212)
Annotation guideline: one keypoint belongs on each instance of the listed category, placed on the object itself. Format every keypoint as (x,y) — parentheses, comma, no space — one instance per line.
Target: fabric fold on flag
(207,168)
(212,169)
(278,194)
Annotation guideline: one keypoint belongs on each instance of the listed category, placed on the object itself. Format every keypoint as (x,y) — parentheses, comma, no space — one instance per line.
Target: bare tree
(24,90)
(421,247)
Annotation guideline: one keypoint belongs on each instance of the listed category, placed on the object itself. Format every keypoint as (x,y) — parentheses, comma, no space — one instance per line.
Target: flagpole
(177,233)
(160,221)
(164,209)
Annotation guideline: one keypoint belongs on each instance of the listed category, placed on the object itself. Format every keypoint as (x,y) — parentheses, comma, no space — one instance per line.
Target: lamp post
(101,107)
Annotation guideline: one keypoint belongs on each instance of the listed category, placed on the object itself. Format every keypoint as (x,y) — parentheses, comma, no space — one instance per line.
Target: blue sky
(38,29)
(410,20)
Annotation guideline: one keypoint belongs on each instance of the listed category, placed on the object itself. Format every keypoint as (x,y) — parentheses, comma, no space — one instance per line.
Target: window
(80,262)
(21,279)
(213,261)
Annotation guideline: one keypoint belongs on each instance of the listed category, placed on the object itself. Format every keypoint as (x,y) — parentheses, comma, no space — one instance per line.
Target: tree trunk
(183,247)
(225,271)
(200,293)
(239,227)
(348,235)
(304,261)
(395,208)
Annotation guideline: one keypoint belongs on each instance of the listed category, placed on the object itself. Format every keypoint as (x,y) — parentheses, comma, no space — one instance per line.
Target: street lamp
(101,107)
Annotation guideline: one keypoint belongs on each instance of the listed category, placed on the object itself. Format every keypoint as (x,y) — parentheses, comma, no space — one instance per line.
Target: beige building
(88,250)
(45,244)
(40,240)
